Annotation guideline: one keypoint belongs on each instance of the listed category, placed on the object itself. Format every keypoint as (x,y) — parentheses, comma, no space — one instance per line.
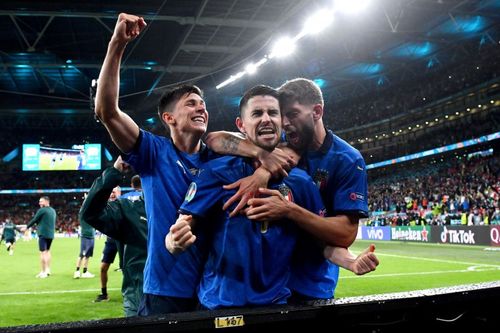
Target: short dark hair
(259,90)
(172,96)
(303,91)
(46,198)
(136,182)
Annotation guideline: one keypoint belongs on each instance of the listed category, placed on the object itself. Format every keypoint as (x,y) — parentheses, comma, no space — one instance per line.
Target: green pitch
(59,298)
(68,163)
(25,299)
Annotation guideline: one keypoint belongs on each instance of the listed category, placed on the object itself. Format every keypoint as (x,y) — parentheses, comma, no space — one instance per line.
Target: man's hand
(365,262)
(180,236)
(121,166)
(127,28)
(276,162)
(247,189)
(272,208)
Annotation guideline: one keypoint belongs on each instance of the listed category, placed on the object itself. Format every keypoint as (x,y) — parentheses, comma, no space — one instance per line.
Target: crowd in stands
(21,208)
(436,194)
(48,179)
(456,191)
(402,97)
(430,138)
(449,192)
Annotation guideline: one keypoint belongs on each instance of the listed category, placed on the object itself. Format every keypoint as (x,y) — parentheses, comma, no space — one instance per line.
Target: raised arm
(123,130)
(105,216)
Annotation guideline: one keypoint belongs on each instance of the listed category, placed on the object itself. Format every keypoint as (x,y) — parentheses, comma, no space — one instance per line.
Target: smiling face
(261,121)
(189,115)
(115,193)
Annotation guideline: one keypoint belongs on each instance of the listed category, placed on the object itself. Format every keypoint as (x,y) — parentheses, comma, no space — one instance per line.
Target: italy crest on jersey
(320,178)
(286,192)
(190,192)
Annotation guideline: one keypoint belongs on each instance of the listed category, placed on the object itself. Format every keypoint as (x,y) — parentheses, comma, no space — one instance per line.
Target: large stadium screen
(78,157)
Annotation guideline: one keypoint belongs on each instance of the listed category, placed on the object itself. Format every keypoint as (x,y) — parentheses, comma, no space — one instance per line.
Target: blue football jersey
(249,261)
(339,171)
(166,174)
(132,195)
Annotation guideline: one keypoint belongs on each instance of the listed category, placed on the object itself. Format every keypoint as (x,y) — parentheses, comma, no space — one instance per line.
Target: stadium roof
(52,50)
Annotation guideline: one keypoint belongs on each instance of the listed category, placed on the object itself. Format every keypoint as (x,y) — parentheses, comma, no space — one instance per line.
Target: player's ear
(239,124)
(168,118)
(317,111)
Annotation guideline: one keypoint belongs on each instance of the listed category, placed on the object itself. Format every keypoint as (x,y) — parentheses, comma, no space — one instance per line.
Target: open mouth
(267,132)
(198,119)
(292,137)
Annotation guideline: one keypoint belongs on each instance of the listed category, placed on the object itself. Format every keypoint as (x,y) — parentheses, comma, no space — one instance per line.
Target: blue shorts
(109,252)
(155,304)
(10,240)
(44,244)
(86,247)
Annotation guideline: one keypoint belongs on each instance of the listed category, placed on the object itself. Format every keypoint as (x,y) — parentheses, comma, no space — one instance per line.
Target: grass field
(59,298)
(69,162)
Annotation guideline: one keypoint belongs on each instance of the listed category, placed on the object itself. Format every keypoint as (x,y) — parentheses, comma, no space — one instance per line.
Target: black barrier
(473,307)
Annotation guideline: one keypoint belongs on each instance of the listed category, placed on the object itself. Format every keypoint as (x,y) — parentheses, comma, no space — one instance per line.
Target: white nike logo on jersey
(182,166)
(359,168)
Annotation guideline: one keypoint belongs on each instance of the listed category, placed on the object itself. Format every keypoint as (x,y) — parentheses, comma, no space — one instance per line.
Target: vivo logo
(375,234)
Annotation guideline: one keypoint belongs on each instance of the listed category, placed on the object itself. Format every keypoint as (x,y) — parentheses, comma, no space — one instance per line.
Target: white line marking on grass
(437,260)
(54,292)
(468,270)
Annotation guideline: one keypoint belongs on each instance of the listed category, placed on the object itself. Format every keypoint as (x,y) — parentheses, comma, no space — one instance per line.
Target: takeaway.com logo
(495,236)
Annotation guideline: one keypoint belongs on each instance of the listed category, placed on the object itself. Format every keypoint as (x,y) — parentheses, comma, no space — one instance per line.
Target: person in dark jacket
(125,221)
(9,235)
(45,219)
(87,235)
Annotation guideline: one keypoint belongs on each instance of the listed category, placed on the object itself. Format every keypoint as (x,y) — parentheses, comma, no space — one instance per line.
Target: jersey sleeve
(143,156)
(204,193)
(351,189)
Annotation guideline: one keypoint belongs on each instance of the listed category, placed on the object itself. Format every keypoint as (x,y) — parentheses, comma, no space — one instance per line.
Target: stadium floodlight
(318,22)
(350,6)
(251,68)
(283,47)
(231,79)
